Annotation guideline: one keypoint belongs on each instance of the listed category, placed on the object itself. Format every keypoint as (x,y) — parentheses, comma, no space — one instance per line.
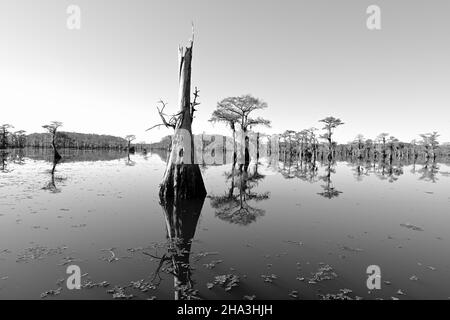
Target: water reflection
(330,191)
(429,171)
(299,168)
(52,184)
(4,161)
(181,222)
(129,162)
(239,197)
(235,207)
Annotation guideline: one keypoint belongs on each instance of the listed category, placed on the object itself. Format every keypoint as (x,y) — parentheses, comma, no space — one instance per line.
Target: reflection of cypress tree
(234,207)
(329,190)
(428,172)
(4,160)
(181,221)
(51,185)
(129,162)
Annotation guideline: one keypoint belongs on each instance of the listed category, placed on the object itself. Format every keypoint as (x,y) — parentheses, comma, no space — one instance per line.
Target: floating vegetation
(212,264)
(269,278)
(79,225)
(186,292)
(298,243)
(111,258)
(325,272)
(294,294)
(413,278)
(228,281)
(142,285)
(204,254)
(119,293)
(51,292)
(350,249)
(68,260)
(342,295)
(89,284)
(400,292)
(411,226)
(39,253)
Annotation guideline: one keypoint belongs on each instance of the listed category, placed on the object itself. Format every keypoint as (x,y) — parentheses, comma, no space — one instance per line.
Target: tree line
(9,138)
(312,144)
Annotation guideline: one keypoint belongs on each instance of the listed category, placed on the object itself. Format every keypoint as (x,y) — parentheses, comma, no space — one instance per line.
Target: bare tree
(130,138)
(182,180)
(52,128)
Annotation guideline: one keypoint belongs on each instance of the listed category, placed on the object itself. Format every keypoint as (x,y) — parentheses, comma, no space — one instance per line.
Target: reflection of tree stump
(181,221)
(182,181)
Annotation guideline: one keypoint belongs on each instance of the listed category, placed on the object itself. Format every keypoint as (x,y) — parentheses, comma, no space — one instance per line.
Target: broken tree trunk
(182,178)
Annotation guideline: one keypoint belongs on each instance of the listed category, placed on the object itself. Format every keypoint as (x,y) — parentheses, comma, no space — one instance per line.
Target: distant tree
(225,115)
(430,142)
(413,145)
(19,137)
(52,128)
(382,139)
(313,141)
(130,138)
(368,145)
(241,107)
(392,144)
(4,132)
(289,135)
(359,141)
(331,123)
(301,139)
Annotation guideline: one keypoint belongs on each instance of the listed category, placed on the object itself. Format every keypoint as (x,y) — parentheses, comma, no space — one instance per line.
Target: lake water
(290,231)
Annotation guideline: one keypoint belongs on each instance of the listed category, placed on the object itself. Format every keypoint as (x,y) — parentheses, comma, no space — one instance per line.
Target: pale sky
(306,59)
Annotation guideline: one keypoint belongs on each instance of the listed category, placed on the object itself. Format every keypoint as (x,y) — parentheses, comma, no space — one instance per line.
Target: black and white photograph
(252,150)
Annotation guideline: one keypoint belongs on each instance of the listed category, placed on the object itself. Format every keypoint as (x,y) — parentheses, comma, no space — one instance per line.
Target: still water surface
(272,232)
